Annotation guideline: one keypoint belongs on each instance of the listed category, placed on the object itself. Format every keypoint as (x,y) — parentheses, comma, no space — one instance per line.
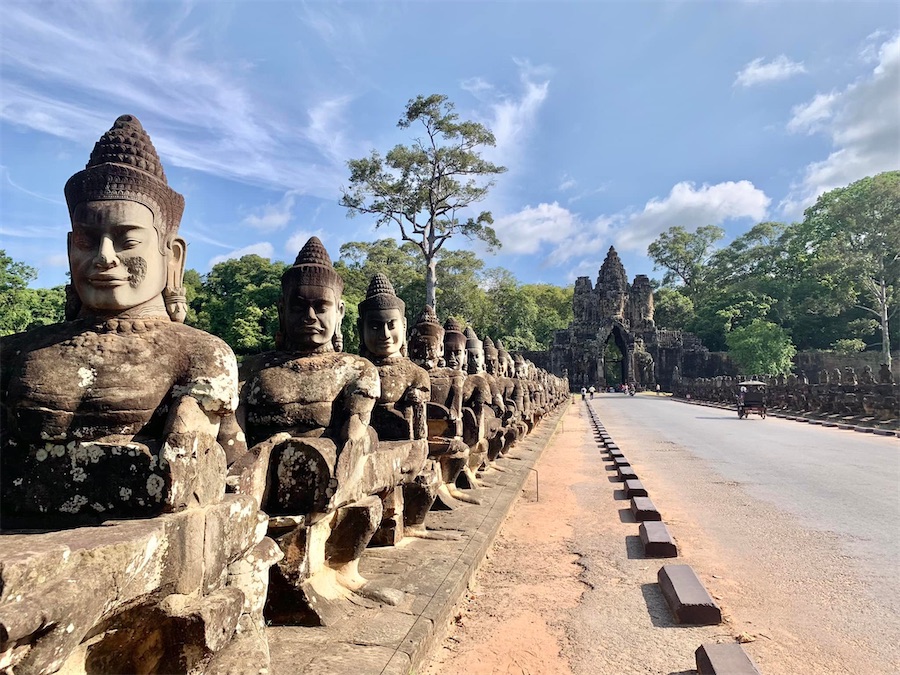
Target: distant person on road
(583,393)
(592,390)
(657,389)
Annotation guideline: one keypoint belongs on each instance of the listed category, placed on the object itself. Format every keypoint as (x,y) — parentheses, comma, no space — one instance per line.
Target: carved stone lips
(107,281)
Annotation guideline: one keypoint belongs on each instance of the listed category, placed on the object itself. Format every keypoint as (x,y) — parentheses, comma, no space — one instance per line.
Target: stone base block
(657,540)
(634,488)
(724,659)
(643,509)
(688,599)
(626,472)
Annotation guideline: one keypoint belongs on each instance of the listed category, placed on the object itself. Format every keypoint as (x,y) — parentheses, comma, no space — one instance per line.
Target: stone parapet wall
(875,402)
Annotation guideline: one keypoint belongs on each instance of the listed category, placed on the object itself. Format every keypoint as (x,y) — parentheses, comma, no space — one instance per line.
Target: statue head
(310,309)
(474,352)
(507,366)
(382,321)
(426,340)
(454,345)
(125,255)
(491,357)
(520,367)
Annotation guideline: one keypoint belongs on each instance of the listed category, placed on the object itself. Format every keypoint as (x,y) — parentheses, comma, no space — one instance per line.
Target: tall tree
(761,348)
(683,255)
(852,237)
(426,188)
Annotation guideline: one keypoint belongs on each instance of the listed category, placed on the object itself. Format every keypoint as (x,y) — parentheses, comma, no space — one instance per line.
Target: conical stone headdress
(490,350)
(428,324)
(313,267)
(124,165)
(453,332)
(472,341)
(380,295)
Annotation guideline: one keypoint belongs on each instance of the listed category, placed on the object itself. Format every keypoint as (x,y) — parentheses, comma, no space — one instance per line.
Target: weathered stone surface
(643,509)
(626,472)
(657,540)
(687,597)
(724,659)
(634,488)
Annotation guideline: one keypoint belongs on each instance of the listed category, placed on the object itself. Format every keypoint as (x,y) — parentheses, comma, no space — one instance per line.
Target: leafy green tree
(21,307)
(849,346)
(683,255)
(424,188)
(672,309)
(239,303)
(851,237)
(761,348)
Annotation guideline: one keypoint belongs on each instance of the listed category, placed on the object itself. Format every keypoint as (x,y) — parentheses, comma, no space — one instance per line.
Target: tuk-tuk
(751,398)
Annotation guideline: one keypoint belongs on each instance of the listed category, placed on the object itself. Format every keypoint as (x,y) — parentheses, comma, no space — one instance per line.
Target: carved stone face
(492,364)
(383,332)
(455,354)
(475,363)
(521,369)
(311,315)
(114,256)
(426,350)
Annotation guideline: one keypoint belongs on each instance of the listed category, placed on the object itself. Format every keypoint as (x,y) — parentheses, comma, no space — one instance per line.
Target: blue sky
(617,120)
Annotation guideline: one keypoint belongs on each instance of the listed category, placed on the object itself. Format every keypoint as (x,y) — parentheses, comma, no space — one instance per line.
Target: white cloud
(513,118)
(691,207)
(759,72)
(273,216)
(263,249)
(527,230)
(863,123)
(296,241)
(810,117)
(59,79)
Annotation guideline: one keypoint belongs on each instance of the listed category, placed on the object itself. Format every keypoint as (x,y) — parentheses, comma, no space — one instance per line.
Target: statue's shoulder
(202,347)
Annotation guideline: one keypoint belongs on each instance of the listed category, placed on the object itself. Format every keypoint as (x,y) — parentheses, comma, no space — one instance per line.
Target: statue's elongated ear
(173,294)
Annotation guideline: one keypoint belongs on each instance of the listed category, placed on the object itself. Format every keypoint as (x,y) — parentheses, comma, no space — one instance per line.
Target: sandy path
(512,620)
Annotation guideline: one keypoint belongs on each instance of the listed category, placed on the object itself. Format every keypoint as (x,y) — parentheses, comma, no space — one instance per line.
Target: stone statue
(445,415)
(305,411)
(849,376)
(884,374)
(514,395)
(400,414)
(114,414)
(491,359)
(867,376)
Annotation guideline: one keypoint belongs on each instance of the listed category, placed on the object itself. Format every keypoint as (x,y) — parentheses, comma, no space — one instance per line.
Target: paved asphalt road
(801,523)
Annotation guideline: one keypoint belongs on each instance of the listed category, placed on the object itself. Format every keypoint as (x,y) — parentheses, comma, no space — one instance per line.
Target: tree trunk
(883,317)
(431,283)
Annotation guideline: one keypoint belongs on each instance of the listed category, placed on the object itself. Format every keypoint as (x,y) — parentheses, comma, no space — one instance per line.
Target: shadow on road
(659,612)
(721,419)
(626,516)
(634,548)
(619,495)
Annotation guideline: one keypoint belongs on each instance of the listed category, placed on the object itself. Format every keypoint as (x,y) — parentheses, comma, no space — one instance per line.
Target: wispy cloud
(567,183)
(862,123)
(759,72)
(263,248)
(273,216)
(201,114)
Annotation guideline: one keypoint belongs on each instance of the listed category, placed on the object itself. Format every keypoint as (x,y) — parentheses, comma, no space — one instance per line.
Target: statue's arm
(359,399)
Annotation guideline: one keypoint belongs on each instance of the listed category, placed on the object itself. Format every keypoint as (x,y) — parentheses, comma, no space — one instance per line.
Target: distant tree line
(828,282)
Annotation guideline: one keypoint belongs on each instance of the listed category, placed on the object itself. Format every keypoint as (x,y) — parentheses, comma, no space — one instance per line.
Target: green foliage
(21,307)
(848,346)
(238,301)
(424,187)
(672,309)
(683,255)
(761,348)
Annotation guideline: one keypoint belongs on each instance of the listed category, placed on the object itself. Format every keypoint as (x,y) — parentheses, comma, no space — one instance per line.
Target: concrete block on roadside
(657,540)
(626,472)
(620,460)
(634,488)
(688,599)
(724,659)
(643,509)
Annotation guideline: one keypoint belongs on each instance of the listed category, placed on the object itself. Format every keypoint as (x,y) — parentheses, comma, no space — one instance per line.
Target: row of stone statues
(296,462)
